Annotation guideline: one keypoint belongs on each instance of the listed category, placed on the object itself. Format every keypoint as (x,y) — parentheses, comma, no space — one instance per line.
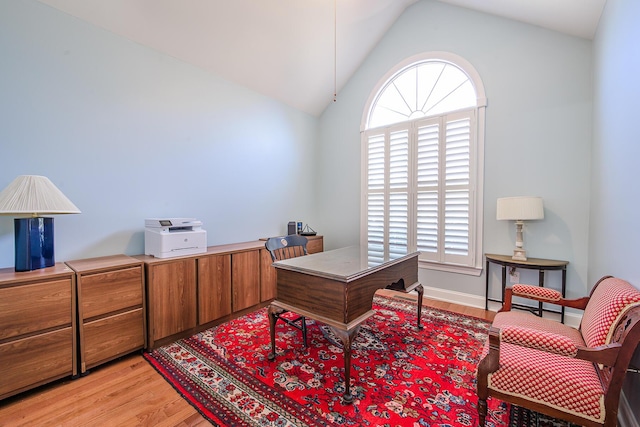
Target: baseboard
(626,417)
(476,301)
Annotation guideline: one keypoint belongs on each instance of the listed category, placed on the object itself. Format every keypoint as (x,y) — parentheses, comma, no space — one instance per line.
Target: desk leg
(347,338)
(420,291)
(273,312)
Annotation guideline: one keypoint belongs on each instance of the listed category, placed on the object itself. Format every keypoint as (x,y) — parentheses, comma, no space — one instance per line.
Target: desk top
(344,265)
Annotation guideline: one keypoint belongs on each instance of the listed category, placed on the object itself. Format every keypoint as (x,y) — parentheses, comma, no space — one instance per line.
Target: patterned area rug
(399,376)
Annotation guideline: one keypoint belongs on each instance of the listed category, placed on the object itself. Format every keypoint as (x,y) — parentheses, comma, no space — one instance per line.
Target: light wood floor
(126,392)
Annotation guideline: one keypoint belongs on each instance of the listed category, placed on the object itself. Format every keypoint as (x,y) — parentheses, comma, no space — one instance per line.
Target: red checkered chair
(549,367)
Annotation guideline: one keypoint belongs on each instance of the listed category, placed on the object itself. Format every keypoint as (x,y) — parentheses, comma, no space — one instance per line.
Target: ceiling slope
(286,49)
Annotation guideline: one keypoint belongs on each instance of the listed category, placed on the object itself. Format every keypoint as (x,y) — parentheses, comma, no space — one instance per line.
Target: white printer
(171,237)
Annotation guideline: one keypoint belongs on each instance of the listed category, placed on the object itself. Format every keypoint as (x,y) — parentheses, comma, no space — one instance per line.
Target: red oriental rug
(400,376)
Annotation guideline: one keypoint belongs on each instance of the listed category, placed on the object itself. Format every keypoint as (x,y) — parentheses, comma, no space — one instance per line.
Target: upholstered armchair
(564,372)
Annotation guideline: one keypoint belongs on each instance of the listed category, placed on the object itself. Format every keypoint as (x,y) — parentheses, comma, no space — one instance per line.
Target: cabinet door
(214,287)
(245,278)
(172,297)
(268,276)
(315,244)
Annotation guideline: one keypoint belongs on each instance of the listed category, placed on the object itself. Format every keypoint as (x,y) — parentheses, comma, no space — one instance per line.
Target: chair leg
(482,411)
(304,332)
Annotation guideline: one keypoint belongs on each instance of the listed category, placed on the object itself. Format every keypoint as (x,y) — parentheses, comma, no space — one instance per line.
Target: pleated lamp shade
(34,196)
(520,208)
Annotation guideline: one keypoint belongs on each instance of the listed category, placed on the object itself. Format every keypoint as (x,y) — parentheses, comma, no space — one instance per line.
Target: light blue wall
(538,132)
(615,193)
(615,196)
(128,133)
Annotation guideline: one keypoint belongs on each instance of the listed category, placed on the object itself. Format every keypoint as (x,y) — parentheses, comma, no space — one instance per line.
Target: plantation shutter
(398,193)
(428,185)
(419,189)
(457,189)
(375,196)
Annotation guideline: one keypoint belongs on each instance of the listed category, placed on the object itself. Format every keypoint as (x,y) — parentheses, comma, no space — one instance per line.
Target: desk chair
(284,248)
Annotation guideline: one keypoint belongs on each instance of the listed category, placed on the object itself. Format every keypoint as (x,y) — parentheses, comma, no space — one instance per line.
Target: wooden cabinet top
(314,237)
(10,276)
(211,250)
(92,265)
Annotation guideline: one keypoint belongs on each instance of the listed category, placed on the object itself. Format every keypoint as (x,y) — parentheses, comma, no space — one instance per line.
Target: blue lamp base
(34,243)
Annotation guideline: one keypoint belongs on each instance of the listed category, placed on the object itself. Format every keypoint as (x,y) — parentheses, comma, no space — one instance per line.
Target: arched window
(423,138)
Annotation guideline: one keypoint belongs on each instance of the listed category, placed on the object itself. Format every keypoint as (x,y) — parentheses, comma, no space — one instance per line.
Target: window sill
(450,268)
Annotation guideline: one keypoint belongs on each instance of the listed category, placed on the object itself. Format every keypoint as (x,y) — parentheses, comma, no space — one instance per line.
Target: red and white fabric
(571,385)
(536,339)
(536,292)
(607,304)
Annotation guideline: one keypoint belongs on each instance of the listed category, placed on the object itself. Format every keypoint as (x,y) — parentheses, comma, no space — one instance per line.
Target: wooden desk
(337,288)
(533,264)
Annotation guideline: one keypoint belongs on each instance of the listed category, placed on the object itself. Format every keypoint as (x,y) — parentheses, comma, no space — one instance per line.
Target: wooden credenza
(111,308)
(189,294)
(38,327)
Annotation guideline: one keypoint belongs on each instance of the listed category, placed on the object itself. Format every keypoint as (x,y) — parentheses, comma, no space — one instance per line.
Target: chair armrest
(536,292)
(541,294)
(539,340)
(558,344)
(604,354)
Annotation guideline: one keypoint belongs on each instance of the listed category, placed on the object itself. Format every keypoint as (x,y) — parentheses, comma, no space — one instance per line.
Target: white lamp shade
(35,195)
(520,208)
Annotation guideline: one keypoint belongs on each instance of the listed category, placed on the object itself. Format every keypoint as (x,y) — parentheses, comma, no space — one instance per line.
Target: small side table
(539,264)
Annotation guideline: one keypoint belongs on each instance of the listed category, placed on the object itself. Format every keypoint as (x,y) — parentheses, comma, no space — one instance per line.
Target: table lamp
(519,209)
(34,196)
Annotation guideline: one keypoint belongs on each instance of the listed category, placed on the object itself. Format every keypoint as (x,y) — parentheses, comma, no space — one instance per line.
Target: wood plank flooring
(126,392)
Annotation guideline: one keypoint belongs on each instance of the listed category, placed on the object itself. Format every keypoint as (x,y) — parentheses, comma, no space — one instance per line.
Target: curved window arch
(423,139)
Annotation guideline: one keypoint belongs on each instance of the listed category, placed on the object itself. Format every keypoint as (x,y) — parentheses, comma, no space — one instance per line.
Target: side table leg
(420,290)
(347,338)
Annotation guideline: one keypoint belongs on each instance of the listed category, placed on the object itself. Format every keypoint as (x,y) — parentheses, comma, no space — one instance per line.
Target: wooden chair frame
(286,247)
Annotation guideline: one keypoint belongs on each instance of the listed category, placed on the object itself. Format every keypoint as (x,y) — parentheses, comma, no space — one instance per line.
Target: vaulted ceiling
(286,49)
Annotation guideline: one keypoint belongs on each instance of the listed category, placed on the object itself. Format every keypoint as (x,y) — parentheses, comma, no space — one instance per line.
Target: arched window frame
(473,265)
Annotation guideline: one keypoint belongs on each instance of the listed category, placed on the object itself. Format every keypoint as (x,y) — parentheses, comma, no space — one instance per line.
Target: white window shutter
(457,194)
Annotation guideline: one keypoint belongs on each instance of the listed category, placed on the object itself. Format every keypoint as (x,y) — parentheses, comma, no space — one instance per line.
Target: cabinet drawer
(105,292)
(35,360)
(111,337)
(33,307)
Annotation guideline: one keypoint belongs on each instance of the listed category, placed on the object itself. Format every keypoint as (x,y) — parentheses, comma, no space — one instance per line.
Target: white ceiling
(285,49)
